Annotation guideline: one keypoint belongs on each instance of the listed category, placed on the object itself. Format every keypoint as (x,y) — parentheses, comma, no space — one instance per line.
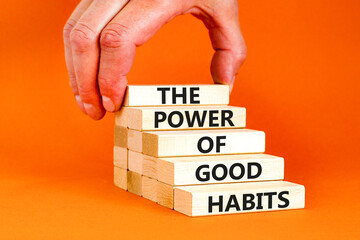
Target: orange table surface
(300,84)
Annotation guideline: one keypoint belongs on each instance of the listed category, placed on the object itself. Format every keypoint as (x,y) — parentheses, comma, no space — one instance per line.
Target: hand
(98,71)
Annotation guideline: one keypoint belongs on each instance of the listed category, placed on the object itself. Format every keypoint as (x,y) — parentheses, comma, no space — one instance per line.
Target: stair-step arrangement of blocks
(184,148)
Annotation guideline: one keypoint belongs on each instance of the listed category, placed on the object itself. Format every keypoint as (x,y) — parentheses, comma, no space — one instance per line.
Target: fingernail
(78,100)
(90,109)
(108,104)
(80,103)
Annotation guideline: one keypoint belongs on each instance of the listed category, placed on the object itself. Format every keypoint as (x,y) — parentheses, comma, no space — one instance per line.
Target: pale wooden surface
(165,195)
(134,184)
(194,200)
(173,169)
(121,117)
(135,162)
(182,170)
(192,117)
(121,136)
(120,177)
(149,166)
(148,95)
(185,143)
(134,141)
(149,188)
(121,157)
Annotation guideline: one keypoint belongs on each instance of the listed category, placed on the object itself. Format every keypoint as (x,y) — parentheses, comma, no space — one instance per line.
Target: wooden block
(121,157)
(121,117)
(142,164)
(165,195)
(134,184)
(182,117)
(217,199)
(149,166)
(120,177)
(219,169)
(121,136)
(157,95)
(134,140)
(135,162)
(149,188)
(200,142)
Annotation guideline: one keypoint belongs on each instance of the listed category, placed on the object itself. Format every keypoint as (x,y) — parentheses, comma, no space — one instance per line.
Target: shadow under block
(121,136)
(201,142)
(181,117)
(157,95)
(149,188)
(217,199)
(120,177)
(120,157)
(219,169)
(134,183)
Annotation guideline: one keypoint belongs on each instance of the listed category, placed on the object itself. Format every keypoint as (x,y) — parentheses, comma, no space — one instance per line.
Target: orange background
(300,84)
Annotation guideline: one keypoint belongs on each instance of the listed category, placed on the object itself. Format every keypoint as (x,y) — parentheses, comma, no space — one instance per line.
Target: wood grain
(120,178)
(151,95)
(215,199)
(134,184)
(149,188)
(121,136)
(186,143)
(120,157)
(181,117)
(219,169)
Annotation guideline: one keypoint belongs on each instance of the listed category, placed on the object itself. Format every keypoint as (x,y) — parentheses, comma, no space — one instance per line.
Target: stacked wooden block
(183,147)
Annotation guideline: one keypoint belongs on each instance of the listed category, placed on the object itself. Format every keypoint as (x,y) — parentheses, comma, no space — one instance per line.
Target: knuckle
(69,25)
(114,36)
(82,37)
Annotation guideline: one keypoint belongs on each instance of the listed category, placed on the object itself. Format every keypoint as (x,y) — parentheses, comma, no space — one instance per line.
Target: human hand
(98,71)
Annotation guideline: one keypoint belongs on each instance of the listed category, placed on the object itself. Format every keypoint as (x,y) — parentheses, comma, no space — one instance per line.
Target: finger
(133,26)
(85,51)
(222,20)
(75,16)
